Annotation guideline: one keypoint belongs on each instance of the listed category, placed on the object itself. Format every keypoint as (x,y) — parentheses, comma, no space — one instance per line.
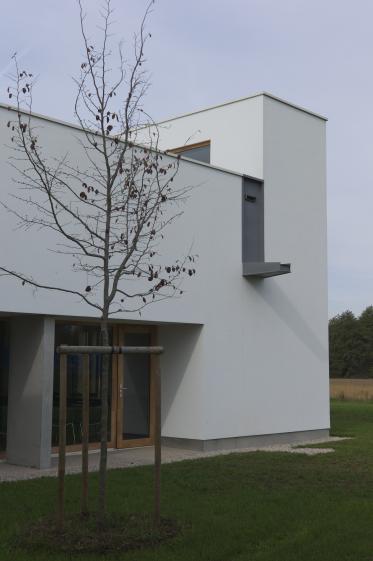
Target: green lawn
(257,507)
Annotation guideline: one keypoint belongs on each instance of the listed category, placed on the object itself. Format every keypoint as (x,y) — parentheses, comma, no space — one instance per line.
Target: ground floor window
(131,398)
(79,334)
(4,373)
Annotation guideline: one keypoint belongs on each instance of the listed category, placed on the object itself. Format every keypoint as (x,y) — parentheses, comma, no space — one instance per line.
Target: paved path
(132,457)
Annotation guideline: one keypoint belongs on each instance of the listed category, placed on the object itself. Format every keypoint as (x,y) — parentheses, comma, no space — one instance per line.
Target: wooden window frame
(187,147)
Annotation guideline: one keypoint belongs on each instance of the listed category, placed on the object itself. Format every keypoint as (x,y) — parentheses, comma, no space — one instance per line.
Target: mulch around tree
(81,534)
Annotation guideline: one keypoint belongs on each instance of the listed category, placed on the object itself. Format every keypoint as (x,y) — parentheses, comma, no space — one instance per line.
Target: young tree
(112,210)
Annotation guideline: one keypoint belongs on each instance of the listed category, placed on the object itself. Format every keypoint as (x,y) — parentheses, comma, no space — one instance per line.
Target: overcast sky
(318,54)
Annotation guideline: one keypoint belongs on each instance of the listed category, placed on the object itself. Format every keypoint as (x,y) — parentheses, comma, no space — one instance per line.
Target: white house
(246,346)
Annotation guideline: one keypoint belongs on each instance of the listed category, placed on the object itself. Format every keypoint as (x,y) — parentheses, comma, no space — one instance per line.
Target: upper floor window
(199,151)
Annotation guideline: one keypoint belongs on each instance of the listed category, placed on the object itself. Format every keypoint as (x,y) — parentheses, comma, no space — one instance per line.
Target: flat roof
(40,116)
(239,100)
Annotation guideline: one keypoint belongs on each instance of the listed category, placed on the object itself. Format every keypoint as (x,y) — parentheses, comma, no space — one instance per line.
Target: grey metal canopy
(253,262)
(264,270)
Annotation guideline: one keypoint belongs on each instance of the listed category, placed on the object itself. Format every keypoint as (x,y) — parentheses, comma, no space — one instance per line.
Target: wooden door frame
(138,442)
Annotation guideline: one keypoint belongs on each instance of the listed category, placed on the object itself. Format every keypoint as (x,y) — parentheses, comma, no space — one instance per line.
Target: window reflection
(136,394)
(200,151)
(79,334)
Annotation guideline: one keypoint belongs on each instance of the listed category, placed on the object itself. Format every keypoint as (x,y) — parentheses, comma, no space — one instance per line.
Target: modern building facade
(246,346)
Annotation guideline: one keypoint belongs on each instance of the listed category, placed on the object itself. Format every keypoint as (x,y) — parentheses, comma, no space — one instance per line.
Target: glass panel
(68,334)
(200,153)
(136,390)
(4,373)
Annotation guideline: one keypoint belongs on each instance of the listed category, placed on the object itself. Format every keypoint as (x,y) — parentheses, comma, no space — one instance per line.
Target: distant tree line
(351,345)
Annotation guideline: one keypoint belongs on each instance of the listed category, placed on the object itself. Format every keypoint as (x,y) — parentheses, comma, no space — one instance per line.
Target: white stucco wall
(235,129)
(258,362)
(264,348)
(34,251)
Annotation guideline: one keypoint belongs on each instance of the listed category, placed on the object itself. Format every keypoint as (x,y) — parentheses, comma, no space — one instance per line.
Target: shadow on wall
(283,307)
(179,342)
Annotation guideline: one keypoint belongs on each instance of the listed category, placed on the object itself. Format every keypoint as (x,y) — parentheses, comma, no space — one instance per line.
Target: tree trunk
(104,423)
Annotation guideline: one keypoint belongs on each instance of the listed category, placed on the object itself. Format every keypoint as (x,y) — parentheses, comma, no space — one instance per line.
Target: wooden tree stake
(85,435)
(157,444)
(62,441)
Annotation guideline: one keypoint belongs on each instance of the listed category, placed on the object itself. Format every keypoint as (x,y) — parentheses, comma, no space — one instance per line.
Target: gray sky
(316,54)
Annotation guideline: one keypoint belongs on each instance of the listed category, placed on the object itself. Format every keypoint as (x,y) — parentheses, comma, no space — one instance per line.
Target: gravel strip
(132,457)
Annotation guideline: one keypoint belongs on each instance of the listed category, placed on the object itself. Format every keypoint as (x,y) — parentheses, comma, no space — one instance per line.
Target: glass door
(135,409)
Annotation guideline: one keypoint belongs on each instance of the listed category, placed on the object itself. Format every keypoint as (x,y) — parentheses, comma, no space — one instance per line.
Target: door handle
(121,390)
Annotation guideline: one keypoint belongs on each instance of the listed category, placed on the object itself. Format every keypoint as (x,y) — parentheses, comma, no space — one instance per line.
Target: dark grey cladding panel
(264,270)
(253,261)
(252,221)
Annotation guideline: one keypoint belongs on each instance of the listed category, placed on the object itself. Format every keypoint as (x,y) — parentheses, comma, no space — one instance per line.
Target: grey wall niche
(253,261)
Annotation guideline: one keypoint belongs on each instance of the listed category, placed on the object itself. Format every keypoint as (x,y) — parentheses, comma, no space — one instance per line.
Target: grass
(242,507)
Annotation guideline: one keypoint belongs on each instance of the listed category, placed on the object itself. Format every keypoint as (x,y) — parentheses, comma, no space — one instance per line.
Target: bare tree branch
(112,210)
